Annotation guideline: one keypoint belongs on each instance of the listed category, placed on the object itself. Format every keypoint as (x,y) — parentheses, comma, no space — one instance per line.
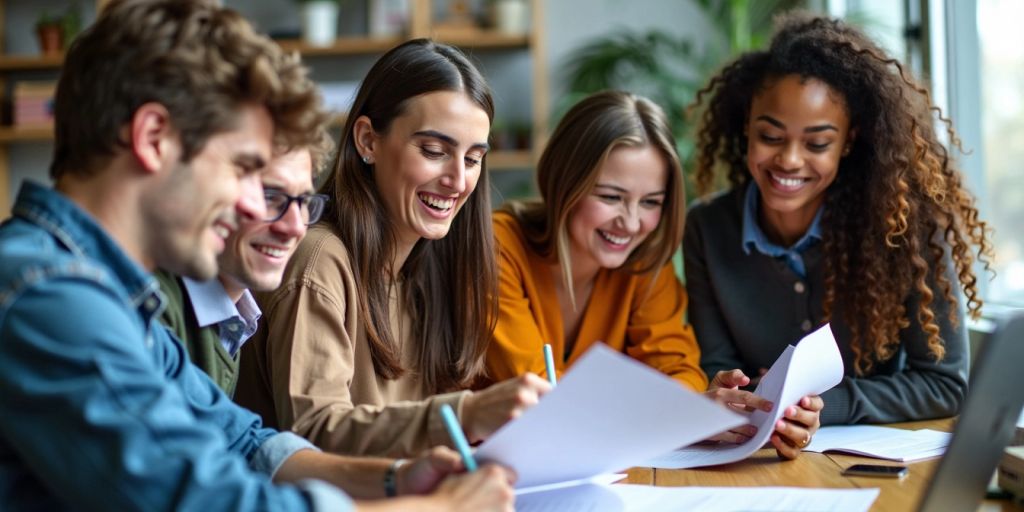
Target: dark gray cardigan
(745,309)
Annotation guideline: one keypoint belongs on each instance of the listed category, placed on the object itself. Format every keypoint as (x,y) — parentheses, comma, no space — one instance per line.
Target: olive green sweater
(203,343)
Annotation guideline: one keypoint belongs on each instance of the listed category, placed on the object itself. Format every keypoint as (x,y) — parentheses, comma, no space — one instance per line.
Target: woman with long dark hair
(386,308)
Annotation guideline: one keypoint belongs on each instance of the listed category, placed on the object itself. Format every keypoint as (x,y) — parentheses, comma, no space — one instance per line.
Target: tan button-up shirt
(308,367)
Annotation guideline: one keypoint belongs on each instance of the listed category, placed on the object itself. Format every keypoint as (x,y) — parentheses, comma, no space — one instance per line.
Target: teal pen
(455,431)
(549,363)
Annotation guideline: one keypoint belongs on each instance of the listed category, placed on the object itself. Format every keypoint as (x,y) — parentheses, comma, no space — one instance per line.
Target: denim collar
(754,237)
(85,238)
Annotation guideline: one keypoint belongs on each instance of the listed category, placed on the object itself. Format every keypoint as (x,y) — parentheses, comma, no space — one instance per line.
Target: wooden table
(764,468)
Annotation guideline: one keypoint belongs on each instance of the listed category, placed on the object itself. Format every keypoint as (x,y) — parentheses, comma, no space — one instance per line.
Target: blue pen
(455,431)
(549,363)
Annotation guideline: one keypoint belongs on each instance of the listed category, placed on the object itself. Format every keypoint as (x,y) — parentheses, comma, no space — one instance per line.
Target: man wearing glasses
(215,318)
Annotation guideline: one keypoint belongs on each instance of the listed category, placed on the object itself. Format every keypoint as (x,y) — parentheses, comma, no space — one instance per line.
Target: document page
(645,498)
(812,367)
(881,442)
(608,413)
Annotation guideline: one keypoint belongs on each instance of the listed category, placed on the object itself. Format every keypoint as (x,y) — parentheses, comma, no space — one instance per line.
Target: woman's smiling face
(797,133)
(624,207)
(429,161)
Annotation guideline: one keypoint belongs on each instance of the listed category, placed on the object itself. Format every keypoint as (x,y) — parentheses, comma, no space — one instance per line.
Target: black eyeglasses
(311,206)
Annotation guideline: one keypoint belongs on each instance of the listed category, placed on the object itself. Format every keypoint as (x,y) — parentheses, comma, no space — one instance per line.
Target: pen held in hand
(458,438)
(549,364)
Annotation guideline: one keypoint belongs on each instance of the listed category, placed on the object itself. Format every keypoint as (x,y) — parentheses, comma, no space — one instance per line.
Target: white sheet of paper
(607,478)
(608,413)
(881,442)
(812,367)
(630,498)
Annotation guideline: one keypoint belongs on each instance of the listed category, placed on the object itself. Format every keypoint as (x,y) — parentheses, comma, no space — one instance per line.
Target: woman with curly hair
(842,207)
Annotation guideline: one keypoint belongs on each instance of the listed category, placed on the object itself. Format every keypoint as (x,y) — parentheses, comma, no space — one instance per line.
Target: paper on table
(607,478)
(629,498)
(609,412)
(810,368)
(881,442)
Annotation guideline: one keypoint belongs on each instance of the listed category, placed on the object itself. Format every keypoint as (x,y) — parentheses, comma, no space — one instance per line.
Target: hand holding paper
(608,413)
(811,368)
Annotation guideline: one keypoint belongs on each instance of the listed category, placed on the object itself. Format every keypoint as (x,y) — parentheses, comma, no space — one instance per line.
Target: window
(1002,130)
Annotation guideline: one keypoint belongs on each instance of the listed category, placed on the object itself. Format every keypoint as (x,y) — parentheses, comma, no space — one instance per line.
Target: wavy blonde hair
(896,165)
(569,168)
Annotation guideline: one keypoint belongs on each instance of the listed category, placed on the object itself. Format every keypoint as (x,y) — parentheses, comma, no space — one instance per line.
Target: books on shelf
(33,104)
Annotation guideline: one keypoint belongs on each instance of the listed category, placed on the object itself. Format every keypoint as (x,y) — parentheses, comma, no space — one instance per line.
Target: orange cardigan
(623,312)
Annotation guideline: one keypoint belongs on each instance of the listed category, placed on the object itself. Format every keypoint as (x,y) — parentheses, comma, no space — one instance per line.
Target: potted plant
(55,31)
(50,31)
(319,21)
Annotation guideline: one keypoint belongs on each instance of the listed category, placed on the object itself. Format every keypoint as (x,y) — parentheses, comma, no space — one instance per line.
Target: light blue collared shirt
(754,237)
(236,322)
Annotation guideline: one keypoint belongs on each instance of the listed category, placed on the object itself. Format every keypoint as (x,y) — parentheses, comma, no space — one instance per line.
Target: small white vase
(511,17)
(320,22)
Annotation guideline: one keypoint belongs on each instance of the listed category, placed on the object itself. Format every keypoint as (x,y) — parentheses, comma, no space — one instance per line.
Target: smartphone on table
(876,470)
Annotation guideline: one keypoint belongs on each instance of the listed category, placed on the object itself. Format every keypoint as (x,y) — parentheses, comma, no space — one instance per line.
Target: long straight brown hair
(568,171)
(449,284)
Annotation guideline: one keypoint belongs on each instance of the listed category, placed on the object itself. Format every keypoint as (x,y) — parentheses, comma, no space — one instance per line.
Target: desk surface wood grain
(764,468)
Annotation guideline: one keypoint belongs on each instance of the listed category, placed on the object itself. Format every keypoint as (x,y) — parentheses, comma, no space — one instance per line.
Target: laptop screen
(986,423)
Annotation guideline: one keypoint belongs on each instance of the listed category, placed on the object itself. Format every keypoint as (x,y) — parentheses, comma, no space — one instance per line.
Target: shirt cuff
(275,450)
(324,496)
(437,432)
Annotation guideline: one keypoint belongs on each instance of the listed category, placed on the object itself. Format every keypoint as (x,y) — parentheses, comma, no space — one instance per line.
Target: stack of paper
(881,442)
(810,368)
(628,498)
(608,413)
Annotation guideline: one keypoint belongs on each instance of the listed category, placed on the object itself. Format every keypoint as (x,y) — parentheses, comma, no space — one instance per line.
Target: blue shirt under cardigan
(754,237)
(102,409)
(747,308)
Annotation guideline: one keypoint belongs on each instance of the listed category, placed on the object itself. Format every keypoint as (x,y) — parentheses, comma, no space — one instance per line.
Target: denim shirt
(101,409)
(754,237)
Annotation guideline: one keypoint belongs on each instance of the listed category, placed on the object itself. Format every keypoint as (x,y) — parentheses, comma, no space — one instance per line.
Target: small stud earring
(366,159)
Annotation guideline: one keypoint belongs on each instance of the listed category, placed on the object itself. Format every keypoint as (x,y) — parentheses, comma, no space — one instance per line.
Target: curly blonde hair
(896,165)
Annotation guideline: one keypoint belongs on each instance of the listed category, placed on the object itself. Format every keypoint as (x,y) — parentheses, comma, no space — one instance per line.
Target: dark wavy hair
(897,201)
(450,284)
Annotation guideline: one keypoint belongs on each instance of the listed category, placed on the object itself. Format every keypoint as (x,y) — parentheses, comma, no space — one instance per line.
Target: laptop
(986,423)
